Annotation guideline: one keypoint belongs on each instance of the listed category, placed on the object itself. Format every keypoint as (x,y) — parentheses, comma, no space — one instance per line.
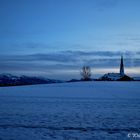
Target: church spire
(121,67)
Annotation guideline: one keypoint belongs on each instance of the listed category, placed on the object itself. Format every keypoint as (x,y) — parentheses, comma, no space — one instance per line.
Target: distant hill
(12,80)
(79,80)
(74,80)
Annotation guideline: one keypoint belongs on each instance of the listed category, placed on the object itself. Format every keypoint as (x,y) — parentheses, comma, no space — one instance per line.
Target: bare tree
(86,73)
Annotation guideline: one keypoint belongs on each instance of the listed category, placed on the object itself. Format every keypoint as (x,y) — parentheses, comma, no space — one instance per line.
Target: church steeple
(121,67)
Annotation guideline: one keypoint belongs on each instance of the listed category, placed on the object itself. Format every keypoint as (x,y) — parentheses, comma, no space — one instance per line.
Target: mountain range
(12,80)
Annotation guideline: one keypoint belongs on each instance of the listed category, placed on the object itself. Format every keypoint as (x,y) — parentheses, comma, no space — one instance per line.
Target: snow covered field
(70,111)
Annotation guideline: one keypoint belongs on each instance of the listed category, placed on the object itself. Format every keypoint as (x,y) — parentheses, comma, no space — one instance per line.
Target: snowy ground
(70,111)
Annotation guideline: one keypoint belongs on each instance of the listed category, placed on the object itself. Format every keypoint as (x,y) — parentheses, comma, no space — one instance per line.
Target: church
(121,76)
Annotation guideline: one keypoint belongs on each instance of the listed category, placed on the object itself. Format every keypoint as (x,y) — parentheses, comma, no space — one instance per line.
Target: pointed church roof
(122,66)
(117,76)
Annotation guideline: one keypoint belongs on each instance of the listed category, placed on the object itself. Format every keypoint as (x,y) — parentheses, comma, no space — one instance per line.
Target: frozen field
(70,111)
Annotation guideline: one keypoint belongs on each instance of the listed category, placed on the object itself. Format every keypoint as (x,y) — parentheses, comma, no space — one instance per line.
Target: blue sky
(55,38)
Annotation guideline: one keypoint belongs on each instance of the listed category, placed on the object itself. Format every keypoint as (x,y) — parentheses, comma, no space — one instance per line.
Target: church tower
(121,67)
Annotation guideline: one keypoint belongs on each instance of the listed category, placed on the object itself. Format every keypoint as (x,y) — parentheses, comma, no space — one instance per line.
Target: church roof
(111,76)
(115,77)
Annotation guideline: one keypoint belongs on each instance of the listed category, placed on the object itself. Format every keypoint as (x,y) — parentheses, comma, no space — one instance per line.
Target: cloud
(67,56)
(101,53)
(77,58)
(106,4)
(65,62)
(56,57)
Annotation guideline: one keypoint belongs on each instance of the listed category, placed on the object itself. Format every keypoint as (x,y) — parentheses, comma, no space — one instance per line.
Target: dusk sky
(55,38)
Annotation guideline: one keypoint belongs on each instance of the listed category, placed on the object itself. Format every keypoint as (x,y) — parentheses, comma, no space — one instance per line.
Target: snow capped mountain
(12,80)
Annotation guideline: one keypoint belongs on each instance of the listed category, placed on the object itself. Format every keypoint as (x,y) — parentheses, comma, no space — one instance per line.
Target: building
(122,67)
(117,76)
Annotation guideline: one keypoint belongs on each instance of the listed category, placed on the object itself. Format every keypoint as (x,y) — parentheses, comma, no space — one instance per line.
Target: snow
(81,110)
(98,89)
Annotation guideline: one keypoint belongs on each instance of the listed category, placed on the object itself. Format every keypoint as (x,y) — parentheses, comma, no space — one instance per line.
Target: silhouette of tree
(86,73)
